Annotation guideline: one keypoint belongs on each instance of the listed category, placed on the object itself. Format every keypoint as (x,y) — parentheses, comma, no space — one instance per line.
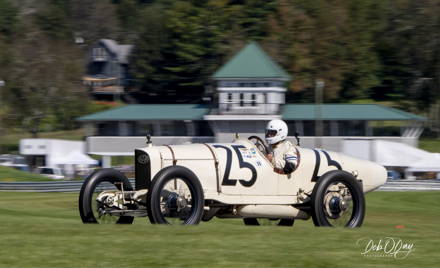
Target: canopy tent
(394,154)
(75,158)
(429,164)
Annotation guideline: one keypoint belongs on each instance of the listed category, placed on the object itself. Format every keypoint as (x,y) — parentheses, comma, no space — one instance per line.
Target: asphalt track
(75,186)
(405,186)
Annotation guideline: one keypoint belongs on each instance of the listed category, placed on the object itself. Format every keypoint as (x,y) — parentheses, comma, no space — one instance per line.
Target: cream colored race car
(186,184)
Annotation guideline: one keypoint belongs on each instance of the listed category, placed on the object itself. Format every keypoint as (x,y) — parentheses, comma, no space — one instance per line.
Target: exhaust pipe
(271,211)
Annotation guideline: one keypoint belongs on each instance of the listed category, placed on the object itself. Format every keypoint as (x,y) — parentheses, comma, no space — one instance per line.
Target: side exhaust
(271,211)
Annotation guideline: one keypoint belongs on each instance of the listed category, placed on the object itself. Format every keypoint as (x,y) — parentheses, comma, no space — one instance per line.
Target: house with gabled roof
(107,68)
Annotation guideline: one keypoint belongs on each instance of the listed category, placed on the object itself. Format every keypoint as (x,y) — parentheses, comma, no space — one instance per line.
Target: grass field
(10,143)
(45,230)
(430,145)
(8,174)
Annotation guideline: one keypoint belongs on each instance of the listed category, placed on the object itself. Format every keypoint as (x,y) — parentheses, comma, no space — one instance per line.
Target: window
(253,100)
(143,128)
(229,97)
(47,171)
(99,53)
(241,99)
(174,128)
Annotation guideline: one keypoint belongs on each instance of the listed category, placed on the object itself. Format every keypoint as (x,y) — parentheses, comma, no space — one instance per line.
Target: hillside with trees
(383,50)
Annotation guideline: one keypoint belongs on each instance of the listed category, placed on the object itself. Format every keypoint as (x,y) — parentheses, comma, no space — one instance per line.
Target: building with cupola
(250,91)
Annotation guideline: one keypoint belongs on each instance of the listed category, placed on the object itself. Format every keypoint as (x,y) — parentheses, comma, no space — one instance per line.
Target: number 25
(229,182)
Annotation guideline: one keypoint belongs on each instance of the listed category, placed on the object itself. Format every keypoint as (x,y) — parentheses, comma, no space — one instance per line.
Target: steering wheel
(260,144)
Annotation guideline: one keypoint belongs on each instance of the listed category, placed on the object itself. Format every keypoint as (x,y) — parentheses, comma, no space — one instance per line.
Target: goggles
(271,133)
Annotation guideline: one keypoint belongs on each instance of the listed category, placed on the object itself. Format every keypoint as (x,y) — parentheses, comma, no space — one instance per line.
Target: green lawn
(9,143)
(8,174)
(431,145)
(45,230)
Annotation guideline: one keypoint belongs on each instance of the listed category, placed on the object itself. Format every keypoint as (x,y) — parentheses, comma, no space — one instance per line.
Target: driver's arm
(287,165)
(287,169)
(291,163)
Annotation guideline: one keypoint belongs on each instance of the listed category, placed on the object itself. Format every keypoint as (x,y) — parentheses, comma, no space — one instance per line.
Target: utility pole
(2,84)
(319,127)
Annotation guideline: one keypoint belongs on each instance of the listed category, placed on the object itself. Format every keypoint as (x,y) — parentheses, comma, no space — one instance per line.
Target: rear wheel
(279,222)
(175,197)
(338,200)
(99,211)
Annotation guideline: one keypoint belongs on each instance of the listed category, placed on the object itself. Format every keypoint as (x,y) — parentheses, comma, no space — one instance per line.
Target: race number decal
(226,180)
(330,163)
(242,164)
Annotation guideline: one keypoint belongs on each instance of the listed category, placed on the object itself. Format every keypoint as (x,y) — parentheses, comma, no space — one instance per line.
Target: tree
(54,19)
(129,12)
(178,49)
(409,50)
(8,26)
(8,19)
(94,20)
(362,61)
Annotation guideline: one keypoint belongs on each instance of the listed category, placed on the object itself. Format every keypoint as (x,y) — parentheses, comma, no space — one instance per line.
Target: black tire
(89,188)
(255,222)
(158,195)
(322,198)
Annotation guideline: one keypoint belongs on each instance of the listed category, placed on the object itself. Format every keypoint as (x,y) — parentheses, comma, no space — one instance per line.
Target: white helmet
(276,131)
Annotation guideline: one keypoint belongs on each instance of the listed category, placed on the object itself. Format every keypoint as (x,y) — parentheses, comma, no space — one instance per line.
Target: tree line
(362,49)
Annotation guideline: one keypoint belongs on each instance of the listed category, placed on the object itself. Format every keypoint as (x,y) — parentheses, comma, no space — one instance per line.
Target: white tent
(75,158)
(394,154)
(429,164)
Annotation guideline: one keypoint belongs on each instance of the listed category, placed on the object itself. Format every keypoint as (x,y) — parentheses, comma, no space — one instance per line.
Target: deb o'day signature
(385,247)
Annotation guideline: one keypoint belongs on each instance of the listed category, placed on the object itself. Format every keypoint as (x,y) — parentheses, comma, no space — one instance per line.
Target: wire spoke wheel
(175,197)
(338,200)
(338,204)
(102,209)
(176,201)
(101,198)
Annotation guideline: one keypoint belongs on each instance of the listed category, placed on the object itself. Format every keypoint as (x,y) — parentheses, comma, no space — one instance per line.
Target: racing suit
(284,157)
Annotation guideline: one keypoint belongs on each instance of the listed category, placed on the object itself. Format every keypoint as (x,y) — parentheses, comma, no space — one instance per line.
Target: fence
(75,186)
(125,145)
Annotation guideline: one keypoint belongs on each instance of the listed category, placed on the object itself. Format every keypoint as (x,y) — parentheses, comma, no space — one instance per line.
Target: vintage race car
(184,184)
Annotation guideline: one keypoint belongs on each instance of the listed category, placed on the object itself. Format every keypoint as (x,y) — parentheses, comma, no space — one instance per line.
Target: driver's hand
(269,157)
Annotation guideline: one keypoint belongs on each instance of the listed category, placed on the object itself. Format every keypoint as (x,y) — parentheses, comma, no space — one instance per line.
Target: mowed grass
(430,145)
(10,143)
(8,174)
(45,230)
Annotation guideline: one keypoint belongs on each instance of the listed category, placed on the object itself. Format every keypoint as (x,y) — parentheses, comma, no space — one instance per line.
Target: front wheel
(93,210)
(175,197)
(338,200)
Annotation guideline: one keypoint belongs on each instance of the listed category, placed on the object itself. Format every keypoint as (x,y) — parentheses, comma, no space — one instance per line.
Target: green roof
(136,112)
(139,112)
(251,62)
(346,112)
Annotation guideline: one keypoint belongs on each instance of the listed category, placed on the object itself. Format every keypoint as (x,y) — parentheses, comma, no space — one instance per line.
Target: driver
(284,154)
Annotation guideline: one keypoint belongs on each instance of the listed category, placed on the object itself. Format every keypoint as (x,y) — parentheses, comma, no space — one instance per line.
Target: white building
(65,154)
